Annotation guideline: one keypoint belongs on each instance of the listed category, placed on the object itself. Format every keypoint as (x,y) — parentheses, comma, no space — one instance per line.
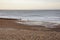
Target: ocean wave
(33,18)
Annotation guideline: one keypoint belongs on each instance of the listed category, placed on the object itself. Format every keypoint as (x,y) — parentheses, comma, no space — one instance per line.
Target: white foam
(33,18)
(12,17)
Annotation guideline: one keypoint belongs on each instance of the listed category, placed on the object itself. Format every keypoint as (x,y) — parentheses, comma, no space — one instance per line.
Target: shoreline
(14,23)
(11,23)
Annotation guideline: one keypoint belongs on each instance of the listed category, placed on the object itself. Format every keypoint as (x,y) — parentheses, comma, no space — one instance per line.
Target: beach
(10,30)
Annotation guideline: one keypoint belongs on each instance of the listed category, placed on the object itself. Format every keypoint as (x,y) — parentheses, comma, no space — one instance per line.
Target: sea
(34,15)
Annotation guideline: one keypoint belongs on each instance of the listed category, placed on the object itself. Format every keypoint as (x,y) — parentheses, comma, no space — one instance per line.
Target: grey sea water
(36,15)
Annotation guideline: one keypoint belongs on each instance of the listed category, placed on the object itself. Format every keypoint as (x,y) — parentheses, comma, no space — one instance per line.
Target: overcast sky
(29,4)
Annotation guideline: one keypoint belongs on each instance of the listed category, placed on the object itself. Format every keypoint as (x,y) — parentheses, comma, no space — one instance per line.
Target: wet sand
(10,30)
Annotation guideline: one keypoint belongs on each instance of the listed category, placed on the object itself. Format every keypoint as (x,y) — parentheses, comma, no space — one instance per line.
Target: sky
(29,4)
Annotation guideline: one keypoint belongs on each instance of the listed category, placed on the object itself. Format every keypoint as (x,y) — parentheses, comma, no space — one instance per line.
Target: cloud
(29,4)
